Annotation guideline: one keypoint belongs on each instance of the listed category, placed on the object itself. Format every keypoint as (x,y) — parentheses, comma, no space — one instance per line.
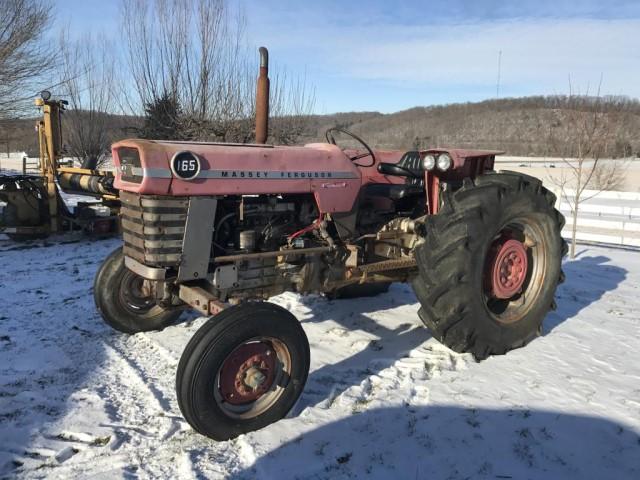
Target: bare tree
(291,101)
(24,56)
(586,132)
(610,174)
(87,71)
(192,54)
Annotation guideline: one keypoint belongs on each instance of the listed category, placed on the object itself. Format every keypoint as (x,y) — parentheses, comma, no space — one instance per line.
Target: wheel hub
(253,378)
(247,373)
(508,268)
(136,293)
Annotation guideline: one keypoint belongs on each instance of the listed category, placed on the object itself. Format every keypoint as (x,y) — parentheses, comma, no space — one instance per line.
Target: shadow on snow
(52,343)
(588,278)
(458,443)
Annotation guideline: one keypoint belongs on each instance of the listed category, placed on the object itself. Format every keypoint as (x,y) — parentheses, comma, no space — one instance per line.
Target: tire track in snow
(134,386)
(162,434)
(142,357)
(406,378)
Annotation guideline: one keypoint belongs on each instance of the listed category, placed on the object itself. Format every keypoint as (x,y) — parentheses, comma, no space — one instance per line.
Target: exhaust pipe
(262,98)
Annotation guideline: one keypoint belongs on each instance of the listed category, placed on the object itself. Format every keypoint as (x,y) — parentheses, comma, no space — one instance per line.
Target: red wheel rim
(508,266)
(247,373)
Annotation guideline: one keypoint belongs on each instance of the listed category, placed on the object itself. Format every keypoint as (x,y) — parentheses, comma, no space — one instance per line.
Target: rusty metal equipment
(34,206)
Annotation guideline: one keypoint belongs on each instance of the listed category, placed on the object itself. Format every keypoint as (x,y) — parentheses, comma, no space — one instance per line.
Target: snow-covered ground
(383,400)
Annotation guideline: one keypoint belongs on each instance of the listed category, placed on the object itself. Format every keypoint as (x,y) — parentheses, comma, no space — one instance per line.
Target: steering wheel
(331,139)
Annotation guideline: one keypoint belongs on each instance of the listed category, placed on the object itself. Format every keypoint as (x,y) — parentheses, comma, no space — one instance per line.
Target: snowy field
(383,400)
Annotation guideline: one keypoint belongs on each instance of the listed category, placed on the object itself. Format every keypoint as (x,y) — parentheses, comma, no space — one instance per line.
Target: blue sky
(392,55)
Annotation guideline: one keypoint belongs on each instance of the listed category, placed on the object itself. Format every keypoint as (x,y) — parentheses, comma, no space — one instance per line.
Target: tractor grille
(153,228)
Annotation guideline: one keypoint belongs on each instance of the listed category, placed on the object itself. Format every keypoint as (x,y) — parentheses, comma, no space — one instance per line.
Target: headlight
(130,166)
(444,162)
(429,162)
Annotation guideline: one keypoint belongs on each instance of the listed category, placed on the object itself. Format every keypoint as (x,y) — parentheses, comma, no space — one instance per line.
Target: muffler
(262,98)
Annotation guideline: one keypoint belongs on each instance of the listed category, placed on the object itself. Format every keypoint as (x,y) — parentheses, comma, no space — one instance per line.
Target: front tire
(490,264)
(244,369)
(119,297)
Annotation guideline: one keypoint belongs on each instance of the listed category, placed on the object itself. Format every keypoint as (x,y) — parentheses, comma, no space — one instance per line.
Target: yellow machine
(34,205)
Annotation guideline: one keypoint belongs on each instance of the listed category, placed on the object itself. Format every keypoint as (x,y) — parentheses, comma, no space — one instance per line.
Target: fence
(606,217)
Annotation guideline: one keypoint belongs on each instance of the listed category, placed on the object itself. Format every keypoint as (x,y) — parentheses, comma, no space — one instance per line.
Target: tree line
(527,126)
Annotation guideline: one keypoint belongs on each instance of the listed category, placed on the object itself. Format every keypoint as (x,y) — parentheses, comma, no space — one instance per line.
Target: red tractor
(222,227)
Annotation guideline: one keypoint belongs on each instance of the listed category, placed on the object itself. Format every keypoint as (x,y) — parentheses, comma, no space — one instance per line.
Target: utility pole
(499,67)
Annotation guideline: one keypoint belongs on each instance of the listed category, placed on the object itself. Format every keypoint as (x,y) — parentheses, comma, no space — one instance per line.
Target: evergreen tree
(163,119)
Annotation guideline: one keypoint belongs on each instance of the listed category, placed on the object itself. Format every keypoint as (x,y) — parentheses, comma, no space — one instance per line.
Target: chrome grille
(153,228)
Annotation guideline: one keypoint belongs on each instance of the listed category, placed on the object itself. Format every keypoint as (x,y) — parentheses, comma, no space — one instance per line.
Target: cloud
(438,54)
(534,53)
(536,57)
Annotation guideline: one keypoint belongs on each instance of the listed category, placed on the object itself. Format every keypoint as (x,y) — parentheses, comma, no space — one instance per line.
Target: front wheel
(490,264)
(244,369)
(125,302)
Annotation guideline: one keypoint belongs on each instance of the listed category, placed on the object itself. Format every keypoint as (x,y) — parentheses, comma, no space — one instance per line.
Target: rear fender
(466,164)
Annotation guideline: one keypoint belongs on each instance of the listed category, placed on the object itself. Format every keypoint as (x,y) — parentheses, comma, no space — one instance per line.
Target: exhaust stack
(262,98)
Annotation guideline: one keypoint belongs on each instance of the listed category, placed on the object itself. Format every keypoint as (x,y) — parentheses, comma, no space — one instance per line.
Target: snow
(383,400)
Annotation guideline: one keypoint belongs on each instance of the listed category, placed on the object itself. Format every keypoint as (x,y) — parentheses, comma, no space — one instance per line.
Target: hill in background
(519,126)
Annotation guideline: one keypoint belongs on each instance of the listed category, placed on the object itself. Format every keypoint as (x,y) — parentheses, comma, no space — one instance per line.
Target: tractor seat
(410,168)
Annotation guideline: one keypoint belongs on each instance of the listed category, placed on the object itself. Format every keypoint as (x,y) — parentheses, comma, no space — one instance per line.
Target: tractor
(221,228)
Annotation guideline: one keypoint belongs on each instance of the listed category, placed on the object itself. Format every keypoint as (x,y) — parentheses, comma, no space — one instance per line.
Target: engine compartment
(248,224)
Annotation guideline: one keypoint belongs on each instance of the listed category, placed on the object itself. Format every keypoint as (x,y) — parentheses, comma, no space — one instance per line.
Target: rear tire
(211,379)
(116,291)
(457,296)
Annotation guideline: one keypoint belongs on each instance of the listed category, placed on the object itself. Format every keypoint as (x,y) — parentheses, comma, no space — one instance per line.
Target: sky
(391,55)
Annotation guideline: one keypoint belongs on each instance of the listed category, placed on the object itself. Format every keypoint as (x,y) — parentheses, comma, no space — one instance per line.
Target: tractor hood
(190,168)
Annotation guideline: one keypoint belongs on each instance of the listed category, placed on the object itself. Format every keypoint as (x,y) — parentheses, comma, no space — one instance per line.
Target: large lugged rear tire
(119,297)
(490,264)
(244,369)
